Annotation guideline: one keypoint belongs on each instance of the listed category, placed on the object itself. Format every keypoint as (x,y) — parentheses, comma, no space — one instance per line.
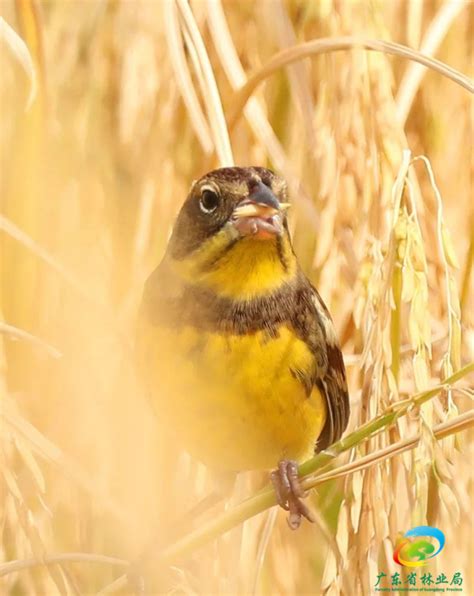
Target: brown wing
(329,375)
(334,388)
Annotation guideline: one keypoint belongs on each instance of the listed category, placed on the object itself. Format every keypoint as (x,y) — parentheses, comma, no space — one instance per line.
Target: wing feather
(331,380)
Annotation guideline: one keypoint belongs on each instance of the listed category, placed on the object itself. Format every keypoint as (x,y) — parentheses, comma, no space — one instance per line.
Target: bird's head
(244,203)
(233,224)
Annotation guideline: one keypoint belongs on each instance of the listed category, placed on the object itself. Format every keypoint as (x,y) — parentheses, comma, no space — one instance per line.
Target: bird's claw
(289,493)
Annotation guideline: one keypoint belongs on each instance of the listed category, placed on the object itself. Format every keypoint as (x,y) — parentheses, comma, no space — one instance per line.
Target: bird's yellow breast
(235,400)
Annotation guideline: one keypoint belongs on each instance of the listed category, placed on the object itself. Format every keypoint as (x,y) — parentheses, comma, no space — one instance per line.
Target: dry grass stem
(322,46)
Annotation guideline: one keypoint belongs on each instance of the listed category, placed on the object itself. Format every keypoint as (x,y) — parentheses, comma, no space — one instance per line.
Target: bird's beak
(260,215)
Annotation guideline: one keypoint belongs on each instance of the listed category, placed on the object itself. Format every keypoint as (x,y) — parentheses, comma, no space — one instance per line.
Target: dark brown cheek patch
(189,233)
(193,226)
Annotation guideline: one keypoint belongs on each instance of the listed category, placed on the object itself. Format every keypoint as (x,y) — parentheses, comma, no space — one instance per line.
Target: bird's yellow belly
(233,399)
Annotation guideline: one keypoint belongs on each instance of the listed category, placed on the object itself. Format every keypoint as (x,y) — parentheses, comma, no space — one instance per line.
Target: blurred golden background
(107,117)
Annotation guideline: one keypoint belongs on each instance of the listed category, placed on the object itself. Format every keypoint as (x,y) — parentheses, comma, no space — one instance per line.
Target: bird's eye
(209,201)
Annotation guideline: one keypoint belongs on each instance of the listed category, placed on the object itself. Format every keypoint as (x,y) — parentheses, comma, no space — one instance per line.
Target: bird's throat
(244,269)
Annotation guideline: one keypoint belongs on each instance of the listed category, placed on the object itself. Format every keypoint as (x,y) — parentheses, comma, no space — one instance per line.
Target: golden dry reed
(110,108)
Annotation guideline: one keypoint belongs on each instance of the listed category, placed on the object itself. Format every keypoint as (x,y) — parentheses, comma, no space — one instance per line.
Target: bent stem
(337,44)
(266,497)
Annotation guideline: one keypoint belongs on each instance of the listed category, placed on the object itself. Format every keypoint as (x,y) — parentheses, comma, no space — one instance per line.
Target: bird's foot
(289,493)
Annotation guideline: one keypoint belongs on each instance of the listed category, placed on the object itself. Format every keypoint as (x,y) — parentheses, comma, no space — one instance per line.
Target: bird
(238,350)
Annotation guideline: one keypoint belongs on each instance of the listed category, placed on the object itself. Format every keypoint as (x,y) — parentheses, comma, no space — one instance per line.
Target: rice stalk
(466,282)
(12,230)
(26,433)
(13,566)
(209,89)
(414,23)
(183,77)
(432,39)
(20,334)
(253,110)
(459,424)
(20,51)
(260,502)
(448,260)
(321,46)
